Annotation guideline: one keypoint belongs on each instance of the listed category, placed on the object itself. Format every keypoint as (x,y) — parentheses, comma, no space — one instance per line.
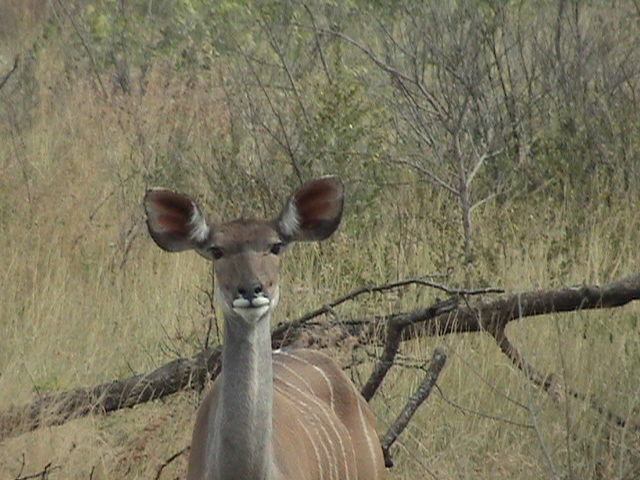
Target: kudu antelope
(289,414)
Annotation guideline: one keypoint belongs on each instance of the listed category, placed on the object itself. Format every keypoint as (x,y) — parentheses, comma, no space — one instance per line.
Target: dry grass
(86,298)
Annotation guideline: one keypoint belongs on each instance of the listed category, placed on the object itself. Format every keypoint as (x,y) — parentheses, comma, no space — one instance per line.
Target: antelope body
(289,414)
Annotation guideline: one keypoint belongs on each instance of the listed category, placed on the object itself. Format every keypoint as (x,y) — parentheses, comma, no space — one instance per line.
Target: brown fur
(305,397)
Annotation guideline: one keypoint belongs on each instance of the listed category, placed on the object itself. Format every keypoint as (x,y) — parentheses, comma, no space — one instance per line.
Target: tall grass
(86,296)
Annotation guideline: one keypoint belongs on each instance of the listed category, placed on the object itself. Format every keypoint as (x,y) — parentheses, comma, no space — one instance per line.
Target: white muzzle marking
(251,310)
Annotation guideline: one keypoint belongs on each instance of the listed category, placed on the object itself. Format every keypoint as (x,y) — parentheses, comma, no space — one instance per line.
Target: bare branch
(170,460)
(482,201)
(58,409)
(327,308)
(85,46)
(43,474)
(372,56)
(435,179)
(438,361)
(545,381)
(285,66)
(192,373)
(395,327)
(477,413)
(316,36)
(476,168)
(484,316)
(7,75)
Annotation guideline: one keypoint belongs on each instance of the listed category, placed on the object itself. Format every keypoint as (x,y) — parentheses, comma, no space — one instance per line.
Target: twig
(435,179)
(170,460)
(395,327)
(85,46)
(541,380)
(326,308)
(543,445)
(489,384)
(548,382)
(22,465)
(438,361)
(43,474)
(567,406)
(316,37)
(465,410)
(285,66)
(285,142)
(6,77)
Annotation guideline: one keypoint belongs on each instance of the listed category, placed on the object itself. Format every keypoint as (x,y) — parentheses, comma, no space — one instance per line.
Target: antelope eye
(277,248)
(216,252)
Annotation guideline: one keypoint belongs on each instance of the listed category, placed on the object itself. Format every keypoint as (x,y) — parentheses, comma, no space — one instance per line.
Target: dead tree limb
(328,307)
(192,373)
(43,474)
(170,460)
(6,76)
(549,382)
(487,316)
(423,391)
(395,327)
(59,408)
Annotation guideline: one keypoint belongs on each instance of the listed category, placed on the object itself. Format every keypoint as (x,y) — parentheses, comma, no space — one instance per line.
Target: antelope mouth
(244,303)
(251,309)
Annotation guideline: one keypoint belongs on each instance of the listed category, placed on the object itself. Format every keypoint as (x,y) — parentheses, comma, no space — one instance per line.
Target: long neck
(244,416)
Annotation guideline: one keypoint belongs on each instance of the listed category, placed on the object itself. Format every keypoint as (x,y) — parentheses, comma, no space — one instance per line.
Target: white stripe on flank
(314,413)
(310,414)
(368,437)
(320,407)
(315,448)
(331,394)
(322,374)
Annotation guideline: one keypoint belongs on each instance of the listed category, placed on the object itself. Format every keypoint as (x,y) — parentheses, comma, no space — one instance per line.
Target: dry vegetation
(102,107)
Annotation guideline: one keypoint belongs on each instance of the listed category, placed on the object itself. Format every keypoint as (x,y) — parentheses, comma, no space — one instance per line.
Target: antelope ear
(313,212)
(175,222)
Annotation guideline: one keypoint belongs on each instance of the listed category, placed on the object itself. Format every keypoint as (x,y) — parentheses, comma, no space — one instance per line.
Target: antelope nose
(251,291)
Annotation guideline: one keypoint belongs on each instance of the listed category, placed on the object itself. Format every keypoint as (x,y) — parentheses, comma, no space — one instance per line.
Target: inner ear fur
(175,222)
(314,211)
